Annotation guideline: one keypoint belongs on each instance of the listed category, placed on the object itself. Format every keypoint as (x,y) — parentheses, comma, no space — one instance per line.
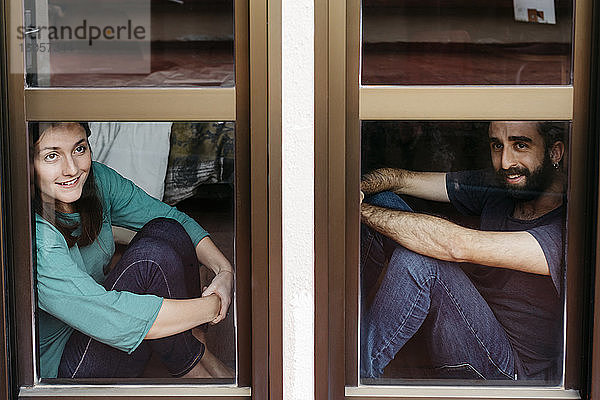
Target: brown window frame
(340,104)
(5,389)
(257,216)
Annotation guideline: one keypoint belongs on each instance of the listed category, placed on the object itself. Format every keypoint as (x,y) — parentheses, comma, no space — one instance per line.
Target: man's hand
(378,180)
(222,286)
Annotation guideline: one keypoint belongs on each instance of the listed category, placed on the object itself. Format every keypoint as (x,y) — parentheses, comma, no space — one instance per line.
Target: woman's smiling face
(62,162)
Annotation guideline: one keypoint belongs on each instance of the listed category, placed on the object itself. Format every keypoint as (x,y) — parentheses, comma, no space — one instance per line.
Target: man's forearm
(425,185)
(437,238)
(421,233)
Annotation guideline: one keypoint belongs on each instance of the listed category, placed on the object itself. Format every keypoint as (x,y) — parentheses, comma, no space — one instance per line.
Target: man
(488,302)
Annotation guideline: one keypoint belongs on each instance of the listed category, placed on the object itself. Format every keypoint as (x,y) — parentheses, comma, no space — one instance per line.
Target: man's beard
(536,181)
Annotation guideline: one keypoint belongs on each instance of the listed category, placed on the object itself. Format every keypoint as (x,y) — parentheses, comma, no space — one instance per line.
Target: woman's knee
(153,253)
(164,228)
(158,250)
(171,232)
(152,266)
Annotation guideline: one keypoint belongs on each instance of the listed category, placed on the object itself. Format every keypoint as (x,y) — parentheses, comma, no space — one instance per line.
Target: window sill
(449,392)
(134,391)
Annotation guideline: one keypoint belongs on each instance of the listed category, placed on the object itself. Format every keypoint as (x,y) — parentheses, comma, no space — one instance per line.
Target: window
(462,42)
(133,44)
(391,96)
(199,58)
(420,317)
(187,165)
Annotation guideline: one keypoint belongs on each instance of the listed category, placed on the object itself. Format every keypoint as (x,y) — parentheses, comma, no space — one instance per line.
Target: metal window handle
(29,32)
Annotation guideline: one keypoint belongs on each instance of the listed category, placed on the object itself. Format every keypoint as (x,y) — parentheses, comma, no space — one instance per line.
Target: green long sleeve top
(69,280)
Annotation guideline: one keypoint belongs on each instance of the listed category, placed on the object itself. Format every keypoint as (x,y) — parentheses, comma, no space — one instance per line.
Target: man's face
(520,159)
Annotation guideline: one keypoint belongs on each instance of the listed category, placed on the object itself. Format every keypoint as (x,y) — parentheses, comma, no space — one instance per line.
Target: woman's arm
(131,207)
(177,316)
(222,284)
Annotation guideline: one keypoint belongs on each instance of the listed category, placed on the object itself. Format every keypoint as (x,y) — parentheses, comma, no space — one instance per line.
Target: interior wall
(394,25)
(181,25)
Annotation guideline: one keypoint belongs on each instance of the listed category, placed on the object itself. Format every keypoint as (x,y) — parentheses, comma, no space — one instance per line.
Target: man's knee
(388,200)
(419,267)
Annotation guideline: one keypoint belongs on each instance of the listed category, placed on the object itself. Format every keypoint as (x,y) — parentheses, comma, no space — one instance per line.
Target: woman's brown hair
(88,205)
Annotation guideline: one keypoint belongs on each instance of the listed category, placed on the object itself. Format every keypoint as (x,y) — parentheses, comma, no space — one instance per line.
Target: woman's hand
(222,284)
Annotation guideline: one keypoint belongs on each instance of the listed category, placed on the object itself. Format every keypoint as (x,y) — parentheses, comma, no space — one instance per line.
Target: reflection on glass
(466,42)
(126,283)
(462,252)
(128,43)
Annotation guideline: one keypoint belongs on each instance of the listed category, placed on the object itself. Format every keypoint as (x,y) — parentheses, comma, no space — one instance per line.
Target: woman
(97,325)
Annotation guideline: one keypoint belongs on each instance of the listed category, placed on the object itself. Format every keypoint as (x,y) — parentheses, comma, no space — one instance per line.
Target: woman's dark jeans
(463,337)
(160,260)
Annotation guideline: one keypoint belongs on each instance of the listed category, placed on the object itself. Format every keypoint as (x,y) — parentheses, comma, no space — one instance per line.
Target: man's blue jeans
(463,337)
(160,260)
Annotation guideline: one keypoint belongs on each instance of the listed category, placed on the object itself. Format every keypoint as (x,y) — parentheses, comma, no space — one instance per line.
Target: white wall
(298,203)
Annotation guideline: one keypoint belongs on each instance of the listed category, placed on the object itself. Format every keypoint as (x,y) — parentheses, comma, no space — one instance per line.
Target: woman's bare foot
(212,365)
(215,367)
(199,334)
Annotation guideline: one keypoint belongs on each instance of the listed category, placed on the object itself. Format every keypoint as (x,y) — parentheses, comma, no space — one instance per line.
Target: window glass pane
(466,42)
(462,252)
(113,262)
(128,43)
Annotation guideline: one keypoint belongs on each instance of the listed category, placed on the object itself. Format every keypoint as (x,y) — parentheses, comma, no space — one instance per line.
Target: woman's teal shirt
(69,280)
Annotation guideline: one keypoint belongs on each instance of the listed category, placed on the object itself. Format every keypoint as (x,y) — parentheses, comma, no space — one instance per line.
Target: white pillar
(298,198)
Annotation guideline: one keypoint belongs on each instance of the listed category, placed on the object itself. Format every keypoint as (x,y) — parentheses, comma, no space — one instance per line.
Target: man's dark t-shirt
(529,306)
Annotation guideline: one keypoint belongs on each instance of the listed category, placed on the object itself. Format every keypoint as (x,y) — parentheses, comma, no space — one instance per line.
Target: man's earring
(555,165)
